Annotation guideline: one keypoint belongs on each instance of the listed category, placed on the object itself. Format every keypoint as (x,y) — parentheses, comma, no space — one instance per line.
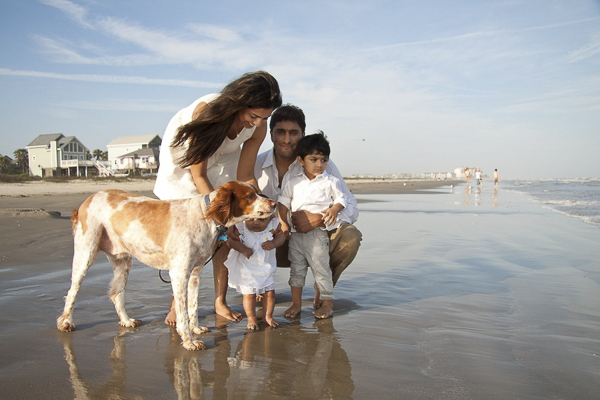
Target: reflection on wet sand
(115,385)
(292,361)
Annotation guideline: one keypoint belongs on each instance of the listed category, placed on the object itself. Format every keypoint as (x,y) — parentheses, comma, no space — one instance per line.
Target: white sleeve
(351,210)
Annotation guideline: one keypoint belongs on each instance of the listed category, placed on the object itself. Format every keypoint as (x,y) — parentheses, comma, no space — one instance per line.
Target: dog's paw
(198,330)
(131,323)
(194,345)
(65,325)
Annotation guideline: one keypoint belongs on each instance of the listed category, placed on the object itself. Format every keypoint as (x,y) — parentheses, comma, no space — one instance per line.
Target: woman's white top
(174,182)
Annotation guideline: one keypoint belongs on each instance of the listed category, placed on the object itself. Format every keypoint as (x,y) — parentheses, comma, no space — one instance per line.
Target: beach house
(55,154)
(129,153)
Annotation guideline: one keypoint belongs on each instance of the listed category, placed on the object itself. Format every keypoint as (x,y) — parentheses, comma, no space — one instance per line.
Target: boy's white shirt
(267,176)
(315,196)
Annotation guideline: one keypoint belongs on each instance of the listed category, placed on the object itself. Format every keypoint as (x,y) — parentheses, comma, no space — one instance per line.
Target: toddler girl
(252,265)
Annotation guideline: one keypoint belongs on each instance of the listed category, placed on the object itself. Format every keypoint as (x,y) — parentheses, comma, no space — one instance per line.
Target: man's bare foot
(224,311)
(325,311)
(171,319)
(269,320)
(292,311)
(252,324)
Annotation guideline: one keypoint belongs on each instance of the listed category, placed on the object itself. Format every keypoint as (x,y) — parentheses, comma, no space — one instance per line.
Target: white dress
(174,182)
(253,275)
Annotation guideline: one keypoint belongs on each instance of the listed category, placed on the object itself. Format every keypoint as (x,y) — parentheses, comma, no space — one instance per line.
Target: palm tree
(22,157)
(97,154)
(105,156)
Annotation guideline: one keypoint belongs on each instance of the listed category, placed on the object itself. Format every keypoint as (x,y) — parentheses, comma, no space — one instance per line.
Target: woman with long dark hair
(212,141)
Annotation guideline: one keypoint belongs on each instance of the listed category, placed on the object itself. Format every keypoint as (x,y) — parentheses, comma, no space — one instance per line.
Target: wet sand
(455,294)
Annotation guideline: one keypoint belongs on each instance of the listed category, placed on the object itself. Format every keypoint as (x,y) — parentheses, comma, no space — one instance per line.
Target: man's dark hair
(315,143)
(288,112)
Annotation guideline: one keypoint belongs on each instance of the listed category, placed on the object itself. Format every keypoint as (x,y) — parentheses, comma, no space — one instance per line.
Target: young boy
(316,191)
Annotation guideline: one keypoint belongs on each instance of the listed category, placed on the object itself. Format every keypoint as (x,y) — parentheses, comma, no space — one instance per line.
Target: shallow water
(456,294)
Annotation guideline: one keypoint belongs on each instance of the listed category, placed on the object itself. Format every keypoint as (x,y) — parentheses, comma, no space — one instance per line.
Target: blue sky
(397,86)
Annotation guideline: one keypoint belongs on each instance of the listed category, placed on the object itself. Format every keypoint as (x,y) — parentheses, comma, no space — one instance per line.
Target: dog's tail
(75,219)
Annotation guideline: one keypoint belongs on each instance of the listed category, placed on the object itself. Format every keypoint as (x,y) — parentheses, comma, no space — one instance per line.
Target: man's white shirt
(265,171)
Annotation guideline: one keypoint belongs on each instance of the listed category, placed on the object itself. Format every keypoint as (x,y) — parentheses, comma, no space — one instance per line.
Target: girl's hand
(268,245)
(247,252)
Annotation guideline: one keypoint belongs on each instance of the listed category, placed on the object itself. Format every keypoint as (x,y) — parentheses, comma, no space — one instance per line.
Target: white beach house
(55,154)
(134,152)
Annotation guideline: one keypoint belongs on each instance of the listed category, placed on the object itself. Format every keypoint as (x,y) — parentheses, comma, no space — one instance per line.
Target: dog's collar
(221,228)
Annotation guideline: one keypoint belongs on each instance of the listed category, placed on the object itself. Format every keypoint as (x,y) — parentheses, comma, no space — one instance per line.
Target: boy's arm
(339,199)
(330,215)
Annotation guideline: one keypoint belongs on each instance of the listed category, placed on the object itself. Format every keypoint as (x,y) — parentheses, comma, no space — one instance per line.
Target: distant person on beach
(212,141)
(478,176)
(467,175)
(496,177)
(251,264)
(276,166)
(316,191)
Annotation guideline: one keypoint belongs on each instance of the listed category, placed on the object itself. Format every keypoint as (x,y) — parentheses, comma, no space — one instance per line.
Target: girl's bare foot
(292,311)
(325,311)
(252,324)
(224,311)
(269,320)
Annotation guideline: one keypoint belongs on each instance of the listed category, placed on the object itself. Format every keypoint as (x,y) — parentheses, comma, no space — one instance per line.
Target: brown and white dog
(174,235)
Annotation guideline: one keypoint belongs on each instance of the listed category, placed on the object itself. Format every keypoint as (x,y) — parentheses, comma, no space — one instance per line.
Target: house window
(33,158)
(144,146)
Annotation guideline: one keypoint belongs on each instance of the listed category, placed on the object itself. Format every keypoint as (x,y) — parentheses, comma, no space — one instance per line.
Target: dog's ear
(222,205)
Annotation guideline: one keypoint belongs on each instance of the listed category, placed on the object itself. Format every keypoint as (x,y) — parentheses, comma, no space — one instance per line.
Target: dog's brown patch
(115,197)
(154,216)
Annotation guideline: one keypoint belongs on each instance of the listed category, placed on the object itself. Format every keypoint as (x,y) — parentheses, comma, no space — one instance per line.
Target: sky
(397,86)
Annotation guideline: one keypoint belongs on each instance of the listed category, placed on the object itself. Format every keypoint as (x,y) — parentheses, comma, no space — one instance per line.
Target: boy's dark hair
(288,112)
(315,143)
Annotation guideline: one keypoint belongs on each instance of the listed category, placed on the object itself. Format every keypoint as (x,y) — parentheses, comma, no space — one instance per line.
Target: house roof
(141,153)
(44,140)
(139,139)
(68,139)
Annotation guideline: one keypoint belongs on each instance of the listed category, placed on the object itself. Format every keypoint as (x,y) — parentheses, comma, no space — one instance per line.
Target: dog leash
(221,239)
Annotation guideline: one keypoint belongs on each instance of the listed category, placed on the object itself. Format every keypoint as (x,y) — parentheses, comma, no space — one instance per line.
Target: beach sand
(455,294)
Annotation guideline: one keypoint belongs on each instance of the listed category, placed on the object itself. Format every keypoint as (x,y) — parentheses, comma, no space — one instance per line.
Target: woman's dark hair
(288,112)
(315,143)
(206,133)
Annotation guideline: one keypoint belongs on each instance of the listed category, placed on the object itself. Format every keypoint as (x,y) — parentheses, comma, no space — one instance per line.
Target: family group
(216,139)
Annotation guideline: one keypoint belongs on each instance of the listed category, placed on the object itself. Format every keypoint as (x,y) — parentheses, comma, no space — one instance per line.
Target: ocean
(577,198)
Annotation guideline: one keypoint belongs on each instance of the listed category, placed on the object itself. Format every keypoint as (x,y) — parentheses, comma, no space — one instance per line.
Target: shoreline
(76,186)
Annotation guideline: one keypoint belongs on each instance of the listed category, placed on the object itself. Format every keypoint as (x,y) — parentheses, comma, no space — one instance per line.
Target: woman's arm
(248,155)
(199,171)
(200,176)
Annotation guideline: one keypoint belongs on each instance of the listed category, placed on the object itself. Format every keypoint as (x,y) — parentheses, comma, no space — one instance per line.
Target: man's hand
(305,221)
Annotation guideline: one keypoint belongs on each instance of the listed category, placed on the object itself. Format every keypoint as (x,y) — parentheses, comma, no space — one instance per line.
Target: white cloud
(74,11)
(589,50)
(116,79)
